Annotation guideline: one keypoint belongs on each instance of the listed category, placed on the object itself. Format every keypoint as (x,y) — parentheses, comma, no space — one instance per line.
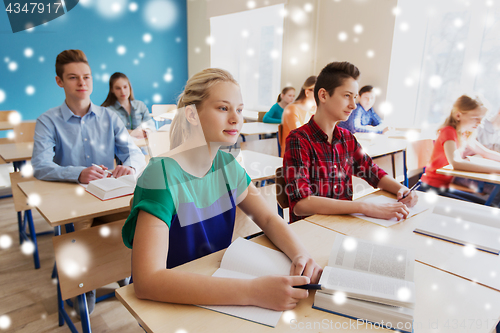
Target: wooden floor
(28,295)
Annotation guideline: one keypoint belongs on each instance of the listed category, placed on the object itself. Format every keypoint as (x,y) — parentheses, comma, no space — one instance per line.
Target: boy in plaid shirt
(321,158)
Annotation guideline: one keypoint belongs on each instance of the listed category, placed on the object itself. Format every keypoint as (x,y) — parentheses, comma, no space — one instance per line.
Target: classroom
(414,181)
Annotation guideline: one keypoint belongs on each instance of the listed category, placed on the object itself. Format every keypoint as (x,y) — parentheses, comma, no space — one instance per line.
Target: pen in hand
(107,171)
(309,286)
(414,187)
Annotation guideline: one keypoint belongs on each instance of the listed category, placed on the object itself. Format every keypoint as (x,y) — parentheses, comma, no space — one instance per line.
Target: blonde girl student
(184,208)
(299,112)
(454,144)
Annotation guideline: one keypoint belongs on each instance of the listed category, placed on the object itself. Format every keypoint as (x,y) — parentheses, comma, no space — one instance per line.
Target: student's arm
(152,281)
(125,149)
(358,127)
(479,149)
(278,231)
(272,116)
(42,159)
(453,156)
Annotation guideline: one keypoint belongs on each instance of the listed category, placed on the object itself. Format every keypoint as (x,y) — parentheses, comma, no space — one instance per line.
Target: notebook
(247,260)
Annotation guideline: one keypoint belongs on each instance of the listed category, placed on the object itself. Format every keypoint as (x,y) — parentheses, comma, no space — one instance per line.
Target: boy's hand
(306,266)
(92,173)
(411,198)
(122,170)
(386,211)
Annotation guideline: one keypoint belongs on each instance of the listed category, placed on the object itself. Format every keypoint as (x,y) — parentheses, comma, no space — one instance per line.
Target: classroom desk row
(444,302)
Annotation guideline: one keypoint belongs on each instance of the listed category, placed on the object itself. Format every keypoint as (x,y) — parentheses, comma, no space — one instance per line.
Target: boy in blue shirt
(364,119)
(78,140)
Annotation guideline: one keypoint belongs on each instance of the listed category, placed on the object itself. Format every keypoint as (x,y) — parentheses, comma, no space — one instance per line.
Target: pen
(309,286)
(411,189)
(102,168)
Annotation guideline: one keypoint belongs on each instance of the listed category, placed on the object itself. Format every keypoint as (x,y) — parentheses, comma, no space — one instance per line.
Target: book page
(367,286)
(364,256)
(381,199)
(253,313)
(108,184)
(483,161)
(462,232)
(251,258)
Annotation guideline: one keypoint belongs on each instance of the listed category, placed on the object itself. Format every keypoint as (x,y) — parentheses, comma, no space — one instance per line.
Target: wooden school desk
(258,129)
(16,152)
(382,146)
(62,203)
(441,304)
(480,176)
(6,125)
(482,267)
(250,116)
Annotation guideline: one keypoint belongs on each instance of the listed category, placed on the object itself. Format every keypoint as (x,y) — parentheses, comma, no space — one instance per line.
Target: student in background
(184,208)
(364,119)
(321,158)
(72,137)
(275,114)
(132,112)
(78,141)
(299,112)
(488,132)
(454,144)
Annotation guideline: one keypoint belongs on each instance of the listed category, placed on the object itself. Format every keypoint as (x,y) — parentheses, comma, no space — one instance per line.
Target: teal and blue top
(199,212)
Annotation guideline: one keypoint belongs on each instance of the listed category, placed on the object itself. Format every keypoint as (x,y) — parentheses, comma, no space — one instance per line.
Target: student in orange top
(299,112)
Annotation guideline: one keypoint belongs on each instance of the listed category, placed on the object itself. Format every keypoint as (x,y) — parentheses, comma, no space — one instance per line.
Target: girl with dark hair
(120,99)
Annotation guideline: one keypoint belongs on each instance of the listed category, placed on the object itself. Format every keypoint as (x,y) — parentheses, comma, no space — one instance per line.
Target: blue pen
(309,286)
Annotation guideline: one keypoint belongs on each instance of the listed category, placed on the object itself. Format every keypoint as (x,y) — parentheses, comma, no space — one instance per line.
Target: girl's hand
(386,211)
(306,266)
(277,292)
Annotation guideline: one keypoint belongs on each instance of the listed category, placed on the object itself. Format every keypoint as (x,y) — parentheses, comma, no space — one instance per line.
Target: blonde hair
(463,104)
(196,91)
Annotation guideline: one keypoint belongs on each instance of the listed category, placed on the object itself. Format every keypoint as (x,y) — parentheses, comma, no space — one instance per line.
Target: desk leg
(493,194)
(279,145)
(406,182)
(36,258)
(243,138)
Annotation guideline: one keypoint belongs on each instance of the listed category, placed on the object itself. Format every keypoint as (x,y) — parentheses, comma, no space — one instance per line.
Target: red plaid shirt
(313,166)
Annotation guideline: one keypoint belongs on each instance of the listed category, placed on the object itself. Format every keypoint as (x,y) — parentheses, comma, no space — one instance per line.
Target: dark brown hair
(283,92)
(333,76)
(67,57)
(308,84)
(111,98)
(365,89)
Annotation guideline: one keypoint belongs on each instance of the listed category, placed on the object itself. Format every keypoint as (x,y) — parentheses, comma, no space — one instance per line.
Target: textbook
(369,282)
(381,199)
(244,259)
(109,188)
(455,225)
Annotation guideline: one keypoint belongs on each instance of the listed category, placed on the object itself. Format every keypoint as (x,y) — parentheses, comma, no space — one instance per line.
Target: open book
(381,199)
(109,188)
(370,282)
(247,260)
(455,224)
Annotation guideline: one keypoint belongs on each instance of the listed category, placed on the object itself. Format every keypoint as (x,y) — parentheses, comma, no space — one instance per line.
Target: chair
(281,196)
(5,116)
(280,140)
(158,143)
(260,116)
(24,216)
(24,131)
(86,260)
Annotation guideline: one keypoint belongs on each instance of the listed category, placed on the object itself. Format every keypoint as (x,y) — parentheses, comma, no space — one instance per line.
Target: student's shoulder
(51,114)
(138,104)
(301,134)
(447,132)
